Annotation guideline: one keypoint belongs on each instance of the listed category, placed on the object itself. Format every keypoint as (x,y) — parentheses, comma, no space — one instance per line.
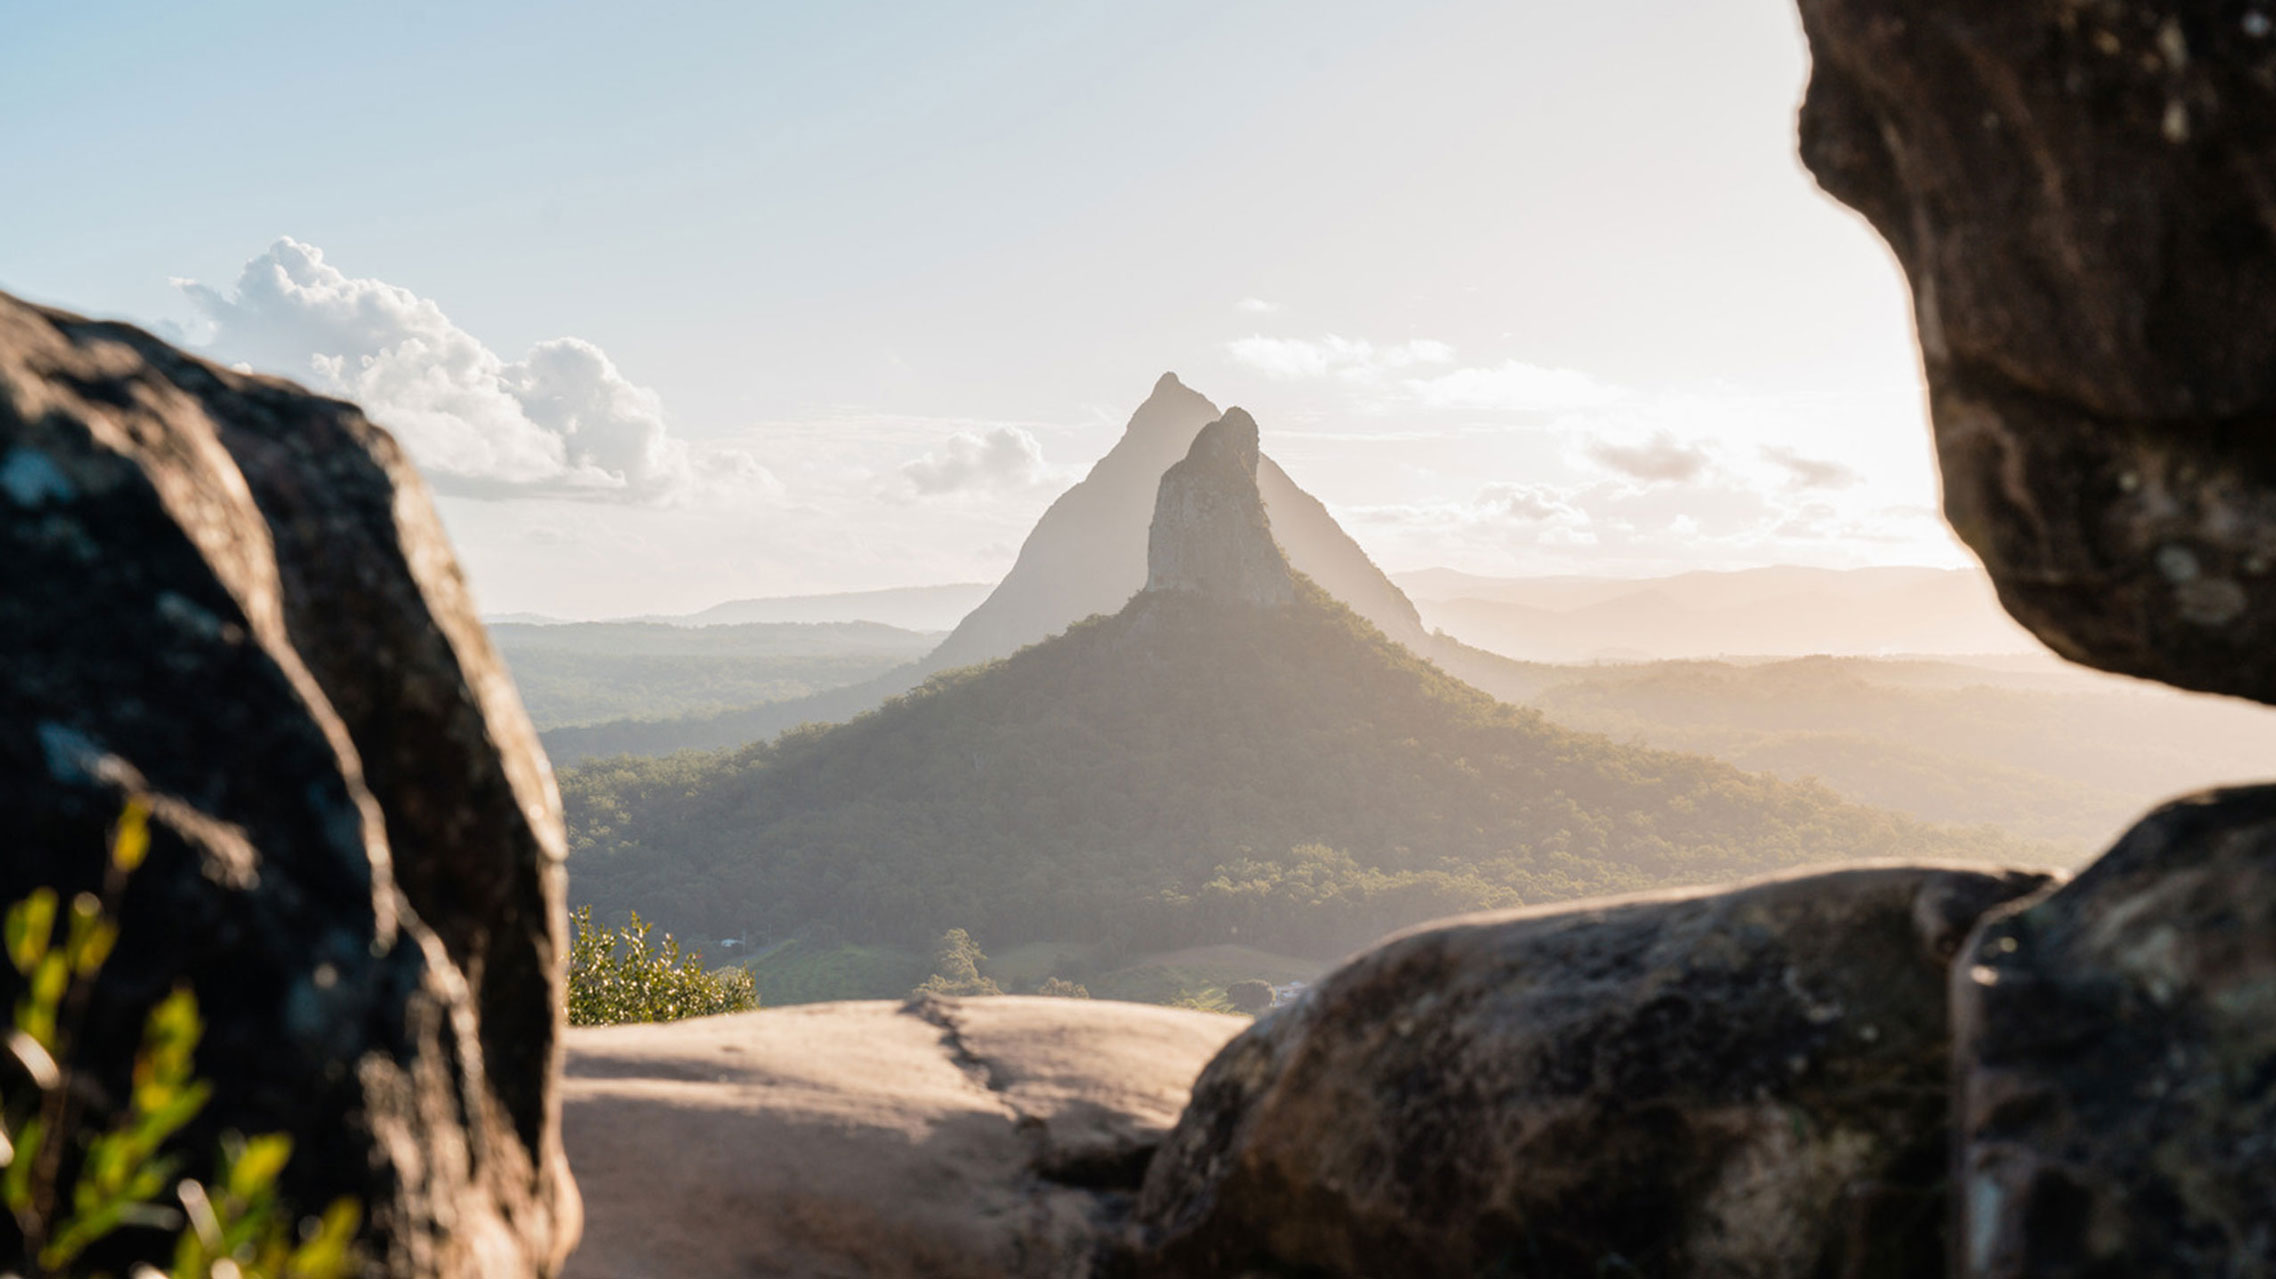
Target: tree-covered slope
(1190,770)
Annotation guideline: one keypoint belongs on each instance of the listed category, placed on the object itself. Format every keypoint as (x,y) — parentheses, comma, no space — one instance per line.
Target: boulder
(231,598)
(1210,534)
(2115,1044)
(1748,1082)
(2083,194)
(945,1137)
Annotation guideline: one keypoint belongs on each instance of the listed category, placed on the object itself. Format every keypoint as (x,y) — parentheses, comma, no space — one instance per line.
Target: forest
(1187,773)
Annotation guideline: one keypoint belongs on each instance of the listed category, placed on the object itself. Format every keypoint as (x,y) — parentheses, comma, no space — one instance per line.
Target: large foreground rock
(232,598)
(983,1137)
(1747,1084)
(2083,193)
(2117,1059)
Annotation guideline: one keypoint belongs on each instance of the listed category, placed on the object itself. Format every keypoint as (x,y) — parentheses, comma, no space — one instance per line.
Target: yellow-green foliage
(956,968)
(619,975)
(70,1183)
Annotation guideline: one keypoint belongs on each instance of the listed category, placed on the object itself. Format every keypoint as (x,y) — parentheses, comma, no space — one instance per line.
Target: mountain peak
(1210,534)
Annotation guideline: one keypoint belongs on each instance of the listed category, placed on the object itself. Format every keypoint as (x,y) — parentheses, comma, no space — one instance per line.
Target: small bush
(956,968)
(1061,988)
(619,975)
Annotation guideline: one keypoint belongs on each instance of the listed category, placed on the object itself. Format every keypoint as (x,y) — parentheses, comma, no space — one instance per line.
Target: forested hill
(1188,770)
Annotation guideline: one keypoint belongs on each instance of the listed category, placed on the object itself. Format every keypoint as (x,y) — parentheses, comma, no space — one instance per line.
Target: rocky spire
(1210,533)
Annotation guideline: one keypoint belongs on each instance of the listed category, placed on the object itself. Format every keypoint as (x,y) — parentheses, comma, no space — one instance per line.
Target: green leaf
(29,924)
(325,1252)
(87,940)
(130,839)
(255,1169)
(16,1182)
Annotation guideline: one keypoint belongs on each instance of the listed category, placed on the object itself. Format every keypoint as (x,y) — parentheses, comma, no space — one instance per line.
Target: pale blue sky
(1516,287)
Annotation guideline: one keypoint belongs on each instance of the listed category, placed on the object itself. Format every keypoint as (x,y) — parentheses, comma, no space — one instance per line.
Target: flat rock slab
(1746,1084)
(945,1137)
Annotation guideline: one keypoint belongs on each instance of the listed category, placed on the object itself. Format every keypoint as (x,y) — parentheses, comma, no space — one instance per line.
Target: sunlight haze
(1515,290)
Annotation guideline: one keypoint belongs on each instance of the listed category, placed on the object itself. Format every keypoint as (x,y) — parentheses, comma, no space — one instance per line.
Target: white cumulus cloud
(1000,458)
(561,421)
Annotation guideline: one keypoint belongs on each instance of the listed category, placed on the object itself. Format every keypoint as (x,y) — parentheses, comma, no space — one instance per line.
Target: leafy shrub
(1063,989)
(619,975)
(69,1189)
(956,968)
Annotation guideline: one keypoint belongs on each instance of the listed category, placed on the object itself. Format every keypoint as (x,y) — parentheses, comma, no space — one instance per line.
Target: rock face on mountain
(1209,533)
(1088,554)
(1749,1082)
(2117,1058)
(2084,196)
(231,599)
(975,1138)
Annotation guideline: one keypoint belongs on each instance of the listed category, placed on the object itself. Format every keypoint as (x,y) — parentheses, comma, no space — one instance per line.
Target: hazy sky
(684,302)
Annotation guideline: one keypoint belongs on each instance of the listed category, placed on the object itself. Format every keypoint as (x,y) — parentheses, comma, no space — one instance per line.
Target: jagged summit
(1210,534)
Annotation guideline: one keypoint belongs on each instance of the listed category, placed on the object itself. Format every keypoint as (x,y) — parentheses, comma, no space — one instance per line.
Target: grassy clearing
(802,974)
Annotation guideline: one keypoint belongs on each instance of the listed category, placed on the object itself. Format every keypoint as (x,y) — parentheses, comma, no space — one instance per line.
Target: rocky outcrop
(2083,193)
(1087,555)
(1210,534)
(981,1138)
(1740,1083)
(232,598)
(2116,1050)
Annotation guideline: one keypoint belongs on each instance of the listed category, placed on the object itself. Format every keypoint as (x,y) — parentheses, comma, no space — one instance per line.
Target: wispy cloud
(1663,459)
(1812,472)
(1256,306)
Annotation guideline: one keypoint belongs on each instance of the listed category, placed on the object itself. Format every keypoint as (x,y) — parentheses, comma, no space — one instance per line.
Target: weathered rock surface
(2083,193)
(233,597)
(1210,534)
(982,1137)
(2116,1049)
(1740,1083)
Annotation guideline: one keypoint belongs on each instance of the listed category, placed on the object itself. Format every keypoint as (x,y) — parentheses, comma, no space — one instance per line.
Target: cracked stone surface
(942,1137)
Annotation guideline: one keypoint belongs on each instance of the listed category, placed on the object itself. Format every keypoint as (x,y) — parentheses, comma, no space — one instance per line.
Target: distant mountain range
(1232,756)
(1778,611)
(911,608)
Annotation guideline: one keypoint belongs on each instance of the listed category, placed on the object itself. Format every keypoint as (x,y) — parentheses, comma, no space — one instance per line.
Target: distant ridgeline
(1233,756)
